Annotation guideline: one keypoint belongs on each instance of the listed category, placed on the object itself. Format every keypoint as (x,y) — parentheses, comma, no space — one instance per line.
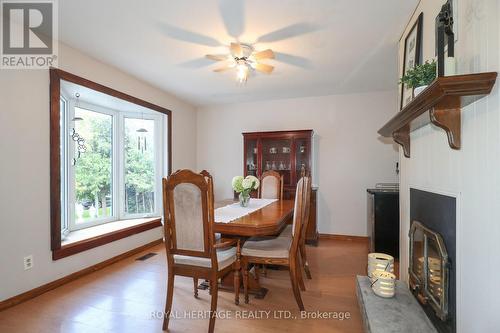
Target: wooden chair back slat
(298,215)
(307,209)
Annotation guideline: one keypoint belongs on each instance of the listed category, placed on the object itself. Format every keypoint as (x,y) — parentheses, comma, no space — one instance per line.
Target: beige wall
(350,155)
(471,174)
(24,169)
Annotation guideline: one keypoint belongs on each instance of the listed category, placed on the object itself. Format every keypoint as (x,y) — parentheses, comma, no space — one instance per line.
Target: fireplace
(429,268)
(432,254)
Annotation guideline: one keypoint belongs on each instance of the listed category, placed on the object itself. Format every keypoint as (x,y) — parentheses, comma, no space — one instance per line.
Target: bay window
(109,153)
(113,163)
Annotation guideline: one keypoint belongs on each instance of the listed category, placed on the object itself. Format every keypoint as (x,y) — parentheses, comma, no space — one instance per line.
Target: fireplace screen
(429,268)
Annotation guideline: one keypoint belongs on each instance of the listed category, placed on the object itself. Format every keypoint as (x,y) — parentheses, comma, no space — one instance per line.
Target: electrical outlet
(28,262)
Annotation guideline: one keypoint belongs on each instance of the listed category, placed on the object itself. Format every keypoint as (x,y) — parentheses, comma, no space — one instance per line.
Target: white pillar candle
(450,66)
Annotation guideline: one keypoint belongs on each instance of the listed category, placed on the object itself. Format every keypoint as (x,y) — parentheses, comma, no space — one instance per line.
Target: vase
(244,199)
(418,90)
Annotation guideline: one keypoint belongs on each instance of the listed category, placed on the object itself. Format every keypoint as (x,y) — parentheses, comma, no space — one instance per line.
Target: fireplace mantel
(444,99)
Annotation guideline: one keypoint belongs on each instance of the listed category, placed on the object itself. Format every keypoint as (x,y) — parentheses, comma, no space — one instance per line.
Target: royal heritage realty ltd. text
(256,314)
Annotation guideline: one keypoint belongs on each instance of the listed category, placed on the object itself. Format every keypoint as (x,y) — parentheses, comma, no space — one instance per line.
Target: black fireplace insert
(432,256)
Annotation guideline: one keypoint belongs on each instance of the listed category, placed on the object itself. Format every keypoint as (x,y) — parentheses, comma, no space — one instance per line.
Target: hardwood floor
(125,296)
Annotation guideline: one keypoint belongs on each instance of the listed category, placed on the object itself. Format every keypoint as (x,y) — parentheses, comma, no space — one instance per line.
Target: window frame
(70,208)
(63,168)
(159,157)
(118,164)
(58,250)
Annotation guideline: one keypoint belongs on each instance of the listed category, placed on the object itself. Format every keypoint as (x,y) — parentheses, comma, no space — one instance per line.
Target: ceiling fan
(243,58)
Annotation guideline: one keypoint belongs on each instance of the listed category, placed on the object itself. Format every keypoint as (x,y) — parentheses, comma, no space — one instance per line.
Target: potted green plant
(244,186)
(420,77)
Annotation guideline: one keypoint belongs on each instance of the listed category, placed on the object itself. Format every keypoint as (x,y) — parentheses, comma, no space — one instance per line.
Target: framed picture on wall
(412,56)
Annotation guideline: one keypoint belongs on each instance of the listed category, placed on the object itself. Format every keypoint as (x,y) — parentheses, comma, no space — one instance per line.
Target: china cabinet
(290,154)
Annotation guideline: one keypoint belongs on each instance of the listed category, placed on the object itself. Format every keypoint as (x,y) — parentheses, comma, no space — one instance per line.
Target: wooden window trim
(89,243)
(59,251)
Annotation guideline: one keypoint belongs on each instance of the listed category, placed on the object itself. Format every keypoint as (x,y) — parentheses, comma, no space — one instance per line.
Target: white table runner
(235,211)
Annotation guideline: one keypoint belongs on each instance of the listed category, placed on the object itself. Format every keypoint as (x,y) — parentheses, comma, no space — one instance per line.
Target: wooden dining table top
(266,221)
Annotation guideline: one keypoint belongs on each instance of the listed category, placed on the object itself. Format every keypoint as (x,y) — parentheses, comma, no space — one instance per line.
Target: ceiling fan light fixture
(244,59)
(242,72)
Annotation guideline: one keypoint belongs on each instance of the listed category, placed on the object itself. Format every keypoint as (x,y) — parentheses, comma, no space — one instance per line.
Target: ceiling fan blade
(196,63)
(217,57)
(294,60)
(233,16)
(266,54)
(223,68)
(264,68)
(290,31)
(236,50)
(186,35)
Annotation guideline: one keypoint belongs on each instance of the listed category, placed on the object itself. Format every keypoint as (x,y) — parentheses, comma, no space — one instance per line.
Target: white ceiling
(323,46)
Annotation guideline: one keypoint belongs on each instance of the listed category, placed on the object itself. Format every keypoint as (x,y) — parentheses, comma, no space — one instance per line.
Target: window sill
(85,239)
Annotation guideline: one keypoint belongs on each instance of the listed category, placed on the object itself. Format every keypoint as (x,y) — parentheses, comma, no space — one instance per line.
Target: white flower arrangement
(245,185)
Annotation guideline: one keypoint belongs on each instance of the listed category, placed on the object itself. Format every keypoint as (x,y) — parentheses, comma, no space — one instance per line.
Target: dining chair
(271,185)
(287,232)
(281,251)
(190,240)
(210,182)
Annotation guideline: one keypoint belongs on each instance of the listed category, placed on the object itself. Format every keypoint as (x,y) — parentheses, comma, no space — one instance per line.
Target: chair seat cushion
(287,232)
(225,257)
(278,247)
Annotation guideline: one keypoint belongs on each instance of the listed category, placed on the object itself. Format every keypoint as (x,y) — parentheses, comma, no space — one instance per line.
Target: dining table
(268,220)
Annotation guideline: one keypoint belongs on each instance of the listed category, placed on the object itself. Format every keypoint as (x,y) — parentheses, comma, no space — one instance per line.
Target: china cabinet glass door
(276,156)
(302,156)
(251,157)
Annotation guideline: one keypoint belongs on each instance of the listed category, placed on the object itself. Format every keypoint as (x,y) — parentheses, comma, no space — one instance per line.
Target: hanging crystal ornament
(79,141)
(141,137)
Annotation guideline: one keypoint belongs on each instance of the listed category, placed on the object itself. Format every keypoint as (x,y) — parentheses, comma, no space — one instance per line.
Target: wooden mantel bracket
(444,99)
(446,115)
(402,137)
